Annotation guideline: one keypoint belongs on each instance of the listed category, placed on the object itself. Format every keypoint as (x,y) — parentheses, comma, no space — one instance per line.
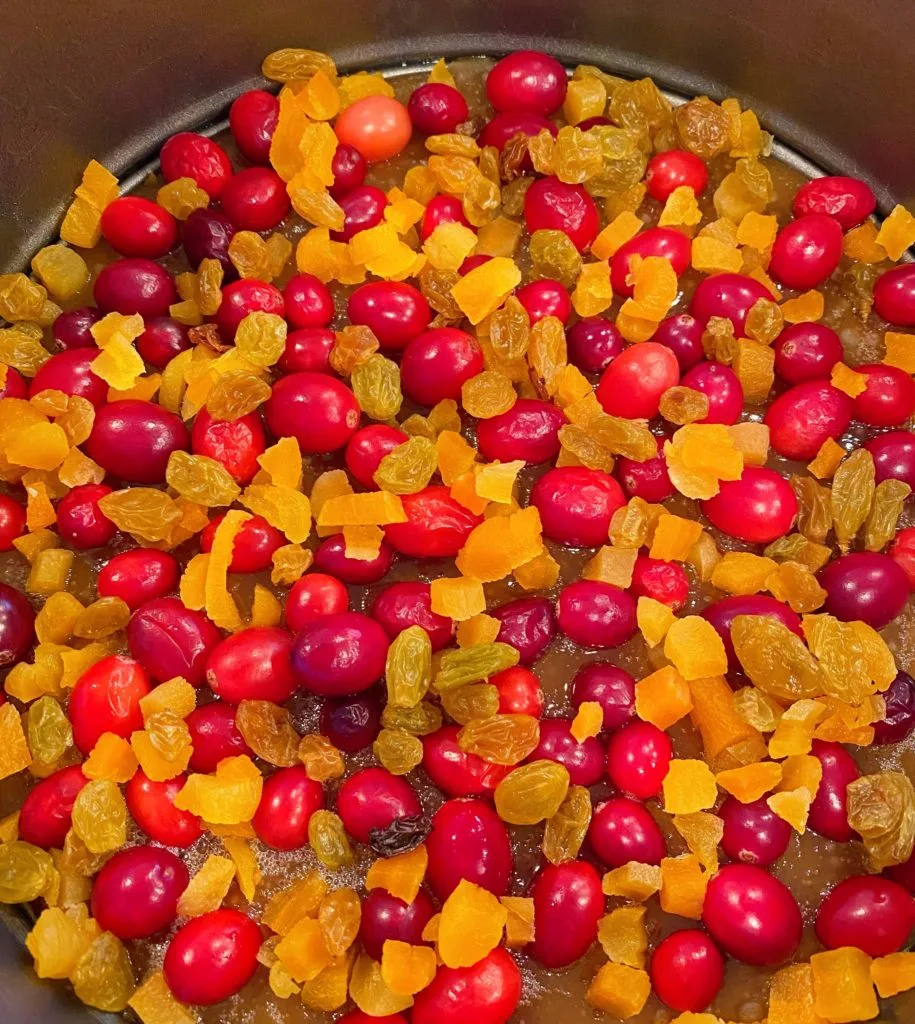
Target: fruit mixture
(458,562)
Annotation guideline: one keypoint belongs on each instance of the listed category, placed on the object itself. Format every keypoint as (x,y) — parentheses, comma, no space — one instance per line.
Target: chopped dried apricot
(842,986)
(689,786)
(695,648)
(619,990)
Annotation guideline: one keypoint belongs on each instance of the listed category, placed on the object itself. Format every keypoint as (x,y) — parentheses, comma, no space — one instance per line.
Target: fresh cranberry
(723,389)
(554,205)
(331,557)
(648,480)
(171,640)
(687,970)
(235,444)
(395,311)
(568,904)
(206,234)
(507,125)
(289,799)
(386,917)
(727,295)
(212,957)
(442,209)
(528,431)
(520,692)
(363,208)
(358,1017)
(894,295)
(12,521)
(611,687)
(135,285)
(187,155)
(349,168)
(584,760)
(14,386)
(372,800)
(214,736)
(673,169)
(806,251)
(457,772)
(666,582)
(757,508)
(133,440)
(870,913)
(638,756)
(308,301)
(436,109)
(378,126)
(486,993)
(753,832)
(409,603)
(340,654)
(252,120)
(308,349)
(633,383)
(865,586)
(134,226)
(152,807)
(894,456)
(722,613)
(436,363)
(752,915)
(545,298)
(312,597)
(576,504)
(162,340)
(622,830)
(805,416)
(253,546)
(596,614)
(806,351)
(528,81)
(829,810)
(902,551)
(888,400)
(107,698)
(436,525)
(528,624)
(848,200)
(468,842)
(136,893)
(47,811)
(899,721)
(252,664)
(320,412)
(593,344)
(71,371)
(80,521)
(667,243)
(72,328)
(17,625)
(682,334)
(597,120)
(243,297)
(352,723)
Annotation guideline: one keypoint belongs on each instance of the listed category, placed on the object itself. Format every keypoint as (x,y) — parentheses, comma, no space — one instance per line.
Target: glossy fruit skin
(593,344)
(358,1017)
(568,903)
(584,761)
(649,480)
(436,108)
(372,799)
(595,614)
(409,603)
(214,736)
(757,508)
(806,251)
(437,362)
(489,992)
(170,640)
(520,692)
(805,416)
(12,521)
(206,234)
(527,80)
(133,440)
(386,917)
(665,242)
(47,810)
(256,199)
(331,558)
(252,121)
(162,340)
(722,613)
(889,398)
(894,295)
(806,351)
(868,912)
(576,504)
(235,444)
(152,807)
(135,226)
(723,389)
(528,624)
(349,168)
(312,597)
(14,386)
(135,285)
(436,526)
(106,698)
(673,169)
(321,413)
(894,456)
(17,625)
(551,204)
(545,298)
(136,893)
(727,295)
(902,551)
(849,200)
(340,654)
(529,431)
(623,830)
(252,664)
(752,915)
(442,209)
(212,957)
(308,350)
(505,125)
(829,810)
(363,208)
(687,970)
(666,582)
(899,720)
(394,310)
(80,521)
(753,833)
(469,842)
(71,328)
(71,372)
(378,126)
(865,585)
(352,723)
(456,772)
(187,155)
(254,543)
(611,687)
(243,297)
(289,799)
(638,757)
(308,301)
(682,334)
(633,383)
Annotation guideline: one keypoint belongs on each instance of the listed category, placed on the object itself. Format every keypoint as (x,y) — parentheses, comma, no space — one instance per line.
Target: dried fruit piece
(881,808)
(408,468)
(299,900)
(775,659)
(268,730)
(370,992)
(14,748)
(654,620)
(893,974)
(302,950)
(471,925)
(501,739)
(674,538)
(49,731)
(689,786)
(632,881)
(339,916)
(465,703)
(327,837)
(103,976)
(842,986)
(852,495)
(889,500)
(407,969)
(683,885)
(400,875)
(663,698)
(695,648)
(699,456)
(741,572)
(227,797)
(565,831)
(519,926)
(619,990)
(623,936)
(532,793)
(398,751)
(100,816)
(457,598)
(749,782)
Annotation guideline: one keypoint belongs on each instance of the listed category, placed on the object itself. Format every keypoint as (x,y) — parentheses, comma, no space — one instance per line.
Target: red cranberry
(456,772)
(520,692)
(308,301)
(829,810)
(436,109)
(623,830)
(320,412)
(252,121)
(865,586)
(363,208)
(133,440)
(352,723)
(81,522)
(12,521)
(171,640)
(253,547)
(289,799)
(576,504)
(527,624)
(235,444)
(888,400)
(15,386)
(340,654)
(152,807)
(584,761)
(468,842)
(187,155)
(71,329)
(507,125)
(752,915)
(595,122)
(753,833)
(682,334)
(436,525)
(673,169)
(17,625)
(134,226)
(666,582)
(545,298)
(595,614)
(902,551)
(899,720)
(135,285)
(487,993)
(568,903)
(894,456)
(349,168)
(312,597)
(214,736)
(687,970)
(252,664)
(593,344)
(243,297)
(551,204)
(395,311)
(648,480)
(638,756)
(805,416)
(723,389)
(722,613)
(849,200)
(386,917)
(367,447)
(870,913)
(308,350)
(212,957)
(358,1017)
(331,557)
(806,251)
(409,603)
(136,893)
(757,508)
(894,295)
(71,372)
(529,431)
(372,799)
(611,687)
(442,209)
(47,811)
(527,80)
(106,698)
(806,352)
(727,295)
(436,363)
(162,340)
(633,383)
(665,242)
(206,234)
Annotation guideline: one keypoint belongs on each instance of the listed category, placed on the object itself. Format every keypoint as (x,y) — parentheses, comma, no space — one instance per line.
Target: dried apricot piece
(749,782)
(663,698)
(632,881)
(302,950)
(299,900)
(471,925)
(695,648)
(14,749)
(893,974)
(791,996)
(842,986)
(370,992)
(689,786)
(623,936)
(619,990)
(458,598)
(519,924)
(683,885)
(229,796)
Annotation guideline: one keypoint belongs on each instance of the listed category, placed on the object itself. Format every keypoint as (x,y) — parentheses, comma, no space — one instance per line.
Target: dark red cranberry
(722,613)
(436,108)
(289,799)
(71,371)
(687,970)
(529,431)
(806,351)
(47,811)
(727,295)
(349,168)
(243,297)
(107,698)
(187,155)
(162,340)
(308,301)
(252,121)
(468,842)
(437,362)
(648,480)
(395,311)
(633,383)
(527,80)
(171,640)
(520,692)
(551,204)
(340,654)
(593,344)
(576,504)
(254,543)
(135,285)
(456,772)
(757,508)
(596,614)
(611,687)
(868,912)
(214,736)
(206,234)
(152,807)
(71,329)
(436,525)
(865,586)
(584,761)
(442,209)
(894,295)
(894,456)
(753,832)
(662,581)
(622,830)
(507,125)
(673,169)
(409,603)
(135,226)
(638,756)
(235,444)
(252,664)
(80,521)
(331,557)
(308,350)
(133,440)
(363,208)
(888,400)
(14,386)
(373,799)
(212,957)
(489,992)
(320,412)
(899,720)
(806,251)
(527,624)
(545,298)
(312,597)
(352,723)
(386,917)
(805,416)
(665,242)
(849,200)
(682,334)
(829,810)
(594,122)
(136,893)
(12,521)
(723,389)
(17,625)
(568,903)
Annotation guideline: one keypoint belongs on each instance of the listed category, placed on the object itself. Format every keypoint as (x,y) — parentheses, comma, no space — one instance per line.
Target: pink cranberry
(489,992)
(395,311)
(152,807)
(363,208)
(507,125)
(437,362)
(456,772)
(596,614)
(545,298)
(252,121)
(722,613)
(633,383)
(17,625)
(576,504)
(187,155)
(170,640)
(409,603)
(638,756)
(894,456)
(829,810)
(554,205)
(727,295)
(81,522)
(47,811)
(71,329)
(134,226)
(805,416)
(436,109)
(308,350)
(593,344)
(868,912)
(527,80)
(468,841)
(136,893)
(527,624)
(243,297)
(752,915)
(312,597)
(673,169)
(806,352)
(865,586)
(520,692)
(894,295)
(753,833)
(214,736)
(437,526)
(289,799)
(757,508)
(235,444)
(666,582)
(899,721)
(206,234)
(648,480)
(15,386)
(682,334)
(107,698)
(349,168)
(308,301)
(386,917)
(352,723)
(723,389)
(665,242)
(340,654)
(888,399)
(442,209)
(252,664)
(373,799)
(848,200)
(331,558)
(687,970)
(253,547)
(529,431)
(162,340)
(623,830)
(568,903)
(135,285)
(611,687)
(212,957)
(319,411)
(806,251)
(584,761)
(71,372)
(12,521)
